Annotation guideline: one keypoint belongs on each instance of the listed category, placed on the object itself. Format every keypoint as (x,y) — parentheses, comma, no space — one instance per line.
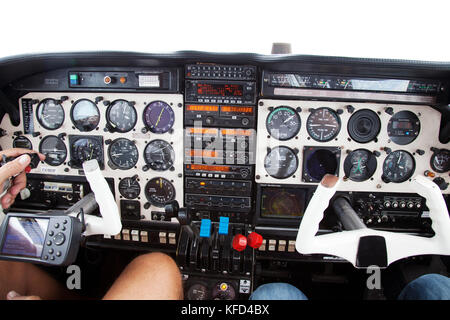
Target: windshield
(381,29)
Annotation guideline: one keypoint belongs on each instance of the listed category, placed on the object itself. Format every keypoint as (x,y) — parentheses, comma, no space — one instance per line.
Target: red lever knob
(255,240)
(239,242)
(27,169)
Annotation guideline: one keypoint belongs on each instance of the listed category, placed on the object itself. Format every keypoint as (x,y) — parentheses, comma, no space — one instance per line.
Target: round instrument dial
(323,124)
(159,191)
(398,166)
(440,161)
(85,115)
(223,291)
(50,114)
(360,165)
(283,123)
(197,292)
(121,116)
(123,154)
(22,142)
(159,155)
(320,162)
(129,188)
(403,127)
(364,126)
(158,117)
(281,162)
(54,149)
(86,149)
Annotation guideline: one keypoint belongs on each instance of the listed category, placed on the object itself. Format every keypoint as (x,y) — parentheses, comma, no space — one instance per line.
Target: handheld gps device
(48,239)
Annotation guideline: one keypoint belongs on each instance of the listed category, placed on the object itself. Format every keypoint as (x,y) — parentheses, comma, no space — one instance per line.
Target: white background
(418,30)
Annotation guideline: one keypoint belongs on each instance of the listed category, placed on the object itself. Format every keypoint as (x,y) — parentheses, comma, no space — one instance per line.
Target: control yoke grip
(355,244)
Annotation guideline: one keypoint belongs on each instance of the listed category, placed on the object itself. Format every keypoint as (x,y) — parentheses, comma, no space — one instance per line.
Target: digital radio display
(202,153)
(202,167)
(192,107)
(402,125)
(221,90)
(236,132)
(236,109)
(205,131)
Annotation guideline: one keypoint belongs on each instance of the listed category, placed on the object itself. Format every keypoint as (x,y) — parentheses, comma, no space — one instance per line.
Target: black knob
(376,153)
(389,111)
(442,184)
(63,98)
(420,152)
(172,208)
(144,130)
(106,103)
(209,120)
(98,99)
(36,134)
(147,205)
(339,111)
(388,150)
(108,141)
(350,109)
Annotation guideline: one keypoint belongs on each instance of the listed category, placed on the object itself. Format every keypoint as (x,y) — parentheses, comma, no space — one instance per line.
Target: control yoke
(362,246)
(109,223)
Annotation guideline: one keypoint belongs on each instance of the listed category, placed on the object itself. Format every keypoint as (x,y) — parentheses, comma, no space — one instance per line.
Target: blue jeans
(277,291)
(427,287)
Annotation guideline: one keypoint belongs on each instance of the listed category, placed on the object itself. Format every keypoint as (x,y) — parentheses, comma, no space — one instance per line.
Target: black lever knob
(172,208)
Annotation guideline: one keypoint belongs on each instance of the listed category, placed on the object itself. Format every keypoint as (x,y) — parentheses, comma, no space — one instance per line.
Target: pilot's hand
(12,169)
(12,295)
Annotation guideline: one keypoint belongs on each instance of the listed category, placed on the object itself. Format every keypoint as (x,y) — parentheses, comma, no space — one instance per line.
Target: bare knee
(149,276)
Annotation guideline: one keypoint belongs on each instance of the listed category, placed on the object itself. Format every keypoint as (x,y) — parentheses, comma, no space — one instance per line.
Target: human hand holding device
(12,172)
